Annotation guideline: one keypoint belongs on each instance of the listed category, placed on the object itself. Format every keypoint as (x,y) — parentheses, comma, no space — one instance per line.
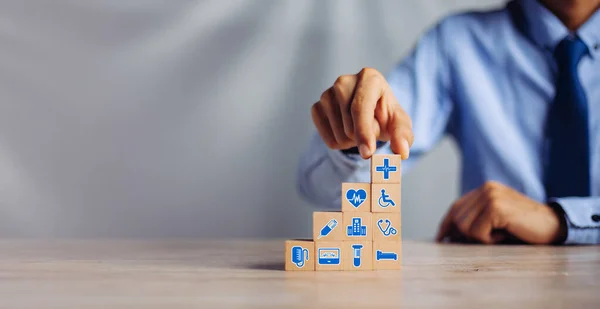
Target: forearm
(582,216)
(322,170)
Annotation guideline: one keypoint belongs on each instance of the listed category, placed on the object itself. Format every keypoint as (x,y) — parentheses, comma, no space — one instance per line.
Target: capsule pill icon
(299,256)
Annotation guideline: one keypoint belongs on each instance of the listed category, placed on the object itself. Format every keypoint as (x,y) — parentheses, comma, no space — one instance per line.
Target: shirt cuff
(583,219)
(348,160)
(354,150)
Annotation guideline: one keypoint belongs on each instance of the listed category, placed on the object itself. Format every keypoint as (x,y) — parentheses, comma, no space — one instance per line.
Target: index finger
(367,94)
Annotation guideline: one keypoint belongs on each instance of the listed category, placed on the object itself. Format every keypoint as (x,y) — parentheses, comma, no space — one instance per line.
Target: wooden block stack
(365,235)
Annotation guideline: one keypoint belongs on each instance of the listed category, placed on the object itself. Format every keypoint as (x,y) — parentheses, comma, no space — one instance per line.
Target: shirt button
(596,218)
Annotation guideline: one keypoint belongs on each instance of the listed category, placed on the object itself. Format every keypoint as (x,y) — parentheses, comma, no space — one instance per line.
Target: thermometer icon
(328,228)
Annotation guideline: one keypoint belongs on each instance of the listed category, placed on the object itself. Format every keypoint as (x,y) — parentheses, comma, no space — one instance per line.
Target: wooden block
(356,197)
(385,168)
(386,197)
(328,255)
(299,255)
(357,226)
(327,226)
(357,255)
(387,255)
(387,226)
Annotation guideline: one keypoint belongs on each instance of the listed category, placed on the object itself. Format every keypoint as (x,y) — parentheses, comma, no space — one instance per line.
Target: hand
(360,109)
(479,214)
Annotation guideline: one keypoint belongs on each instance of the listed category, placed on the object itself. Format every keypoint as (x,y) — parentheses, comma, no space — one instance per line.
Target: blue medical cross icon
(386,168)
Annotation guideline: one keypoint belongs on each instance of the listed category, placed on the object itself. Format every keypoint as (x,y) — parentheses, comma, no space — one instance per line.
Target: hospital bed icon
(390,256)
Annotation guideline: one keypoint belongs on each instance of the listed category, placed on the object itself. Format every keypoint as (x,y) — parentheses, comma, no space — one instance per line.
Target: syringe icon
(328,228)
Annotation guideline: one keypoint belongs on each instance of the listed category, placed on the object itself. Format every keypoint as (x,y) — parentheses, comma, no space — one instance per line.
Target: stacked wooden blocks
(365,235)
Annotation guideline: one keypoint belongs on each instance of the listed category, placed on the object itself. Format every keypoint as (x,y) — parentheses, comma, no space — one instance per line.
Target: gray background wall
(150,118)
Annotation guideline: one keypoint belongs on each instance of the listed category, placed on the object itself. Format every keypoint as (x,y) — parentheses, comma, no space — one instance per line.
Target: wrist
(561,235)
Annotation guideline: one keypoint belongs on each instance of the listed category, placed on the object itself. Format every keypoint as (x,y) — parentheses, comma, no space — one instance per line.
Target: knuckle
(370,75)
(366,71)
(343,82)
(487,186)
(363,72)
(315,108)
(490,186)
(316,111)
(495,196)
(342,98)
(325,96)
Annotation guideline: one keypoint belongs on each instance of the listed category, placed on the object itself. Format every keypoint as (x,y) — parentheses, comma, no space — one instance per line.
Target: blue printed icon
(329,256)
(356,197)
(299,256)
(388,229)
(385,200)
(357,229)
(390,256)
(328,228)
(386,168)
(356,248)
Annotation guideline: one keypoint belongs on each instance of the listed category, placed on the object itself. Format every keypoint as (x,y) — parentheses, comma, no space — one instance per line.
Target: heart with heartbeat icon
(356,197)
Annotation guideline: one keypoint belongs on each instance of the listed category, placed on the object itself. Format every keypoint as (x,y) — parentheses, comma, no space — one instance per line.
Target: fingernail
(405,146)
(364,150)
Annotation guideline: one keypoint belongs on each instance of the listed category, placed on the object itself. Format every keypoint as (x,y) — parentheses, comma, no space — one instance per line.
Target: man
(519,91)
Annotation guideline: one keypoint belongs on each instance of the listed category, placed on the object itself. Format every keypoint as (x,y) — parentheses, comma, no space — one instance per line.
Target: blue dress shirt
(487,79)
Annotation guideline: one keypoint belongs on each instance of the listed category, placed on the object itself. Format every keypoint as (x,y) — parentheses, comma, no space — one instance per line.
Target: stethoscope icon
(389,228)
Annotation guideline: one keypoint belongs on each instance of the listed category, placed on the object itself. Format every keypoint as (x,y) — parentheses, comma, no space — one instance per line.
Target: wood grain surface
(249,274)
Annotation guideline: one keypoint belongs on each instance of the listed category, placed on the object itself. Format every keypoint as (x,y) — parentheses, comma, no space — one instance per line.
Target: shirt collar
(590,34)
(546,30)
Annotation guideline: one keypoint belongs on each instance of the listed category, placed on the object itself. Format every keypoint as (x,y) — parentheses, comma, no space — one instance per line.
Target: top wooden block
(385,168)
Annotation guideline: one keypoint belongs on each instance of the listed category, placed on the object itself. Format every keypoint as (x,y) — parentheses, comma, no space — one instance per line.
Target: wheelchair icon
(385,200)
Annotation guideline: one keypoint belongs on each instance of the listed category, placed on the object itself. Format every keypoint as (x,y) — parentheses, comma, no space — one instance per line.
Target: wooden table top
(248,274)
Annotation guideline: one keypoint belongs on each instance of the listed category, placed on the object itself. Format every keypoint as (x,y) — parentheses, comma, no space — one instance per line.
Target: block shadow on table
(267,266)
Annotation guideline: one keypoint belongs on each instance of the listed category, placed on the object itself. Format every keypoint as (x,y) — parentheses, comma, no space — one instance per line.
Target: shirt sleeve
(583,219)
(421,85)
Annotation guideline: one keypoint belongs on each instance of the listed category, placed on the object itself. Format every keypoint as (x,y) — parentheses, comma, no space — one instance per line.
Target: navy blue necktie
(568,169)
